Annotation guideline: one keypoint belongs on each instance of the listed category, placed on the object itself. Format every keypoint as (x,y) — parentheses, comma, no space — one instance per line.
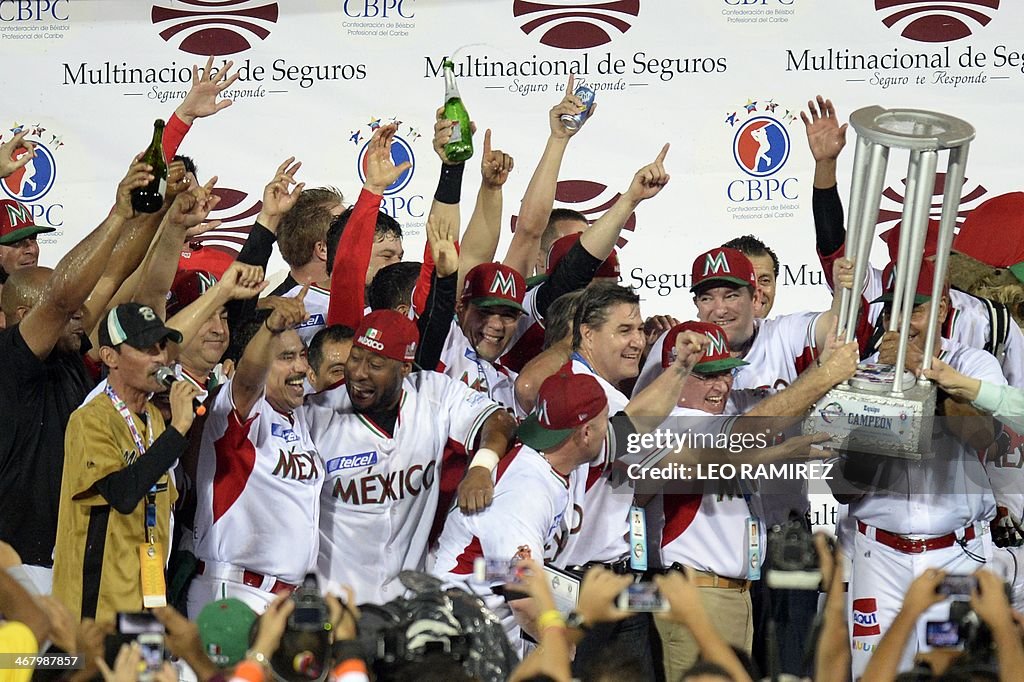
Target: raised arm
(251,375)
(352,258)
(10,160)
(480,242)
(135,240)
(600,238)
(435,322)
(922,593)
(826,139)
(540,193)
(156,275)
(80,269)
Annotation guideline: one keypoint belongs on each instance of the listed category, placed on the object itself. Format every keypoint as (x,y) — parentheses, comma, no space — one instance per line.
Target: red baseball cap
(187,287)
(494,284)
(564,402)
(923,291)
(609,268)
(716,356)
(723,264)
(212,259)
(16,222)
(994,233)
(891,237)
(390,334)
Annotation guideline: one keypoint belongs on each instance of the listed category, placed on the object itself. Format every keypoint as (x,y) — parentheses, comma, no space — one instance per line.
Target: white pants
(205,589)
(881,577)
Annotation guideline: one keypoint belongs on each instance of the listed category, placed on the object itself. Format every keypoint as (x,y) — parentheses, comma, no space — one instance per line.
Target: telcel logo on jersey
(363,459)
(760,148)
(33,181)
(575,25)
(283,432)
(937,21)
(217,29)
(865,618)
(408,209)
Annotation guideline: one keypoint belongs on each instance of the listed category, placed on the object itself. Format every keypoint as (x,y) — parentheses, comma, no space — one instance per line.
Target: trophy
(884,409)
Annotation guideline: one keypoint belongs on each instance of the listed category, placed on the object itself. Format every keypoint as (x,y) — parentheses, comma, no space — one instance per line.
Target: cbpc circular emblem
(761,146)
(400,153)
(936,21)
(575,25)
(32,181)
(217,28)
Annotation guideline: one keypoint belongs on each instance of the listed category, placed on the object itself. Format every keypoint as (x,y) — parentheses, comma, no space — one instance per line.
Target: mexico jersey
(601,512)
(316,302)
(460,362)
(947,492)
(381,489)
(258,490)
(709,532)
(529,508)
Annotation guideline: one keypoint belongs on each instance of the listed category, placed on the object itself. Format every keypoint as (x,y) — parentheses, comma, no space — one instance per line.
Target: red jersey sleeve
(174,132)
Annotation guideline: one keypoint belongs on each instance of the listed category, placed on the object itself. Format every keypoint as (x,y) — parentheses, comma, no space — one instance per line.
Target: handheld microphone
(166,376)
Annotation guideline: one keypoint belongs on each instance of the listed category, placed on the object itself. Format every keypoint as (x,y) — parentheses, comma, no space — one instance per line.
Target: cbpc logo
(214,28)
(408,209)
(591,199)
(236,212)
(893,198)
(936,21)
(760,148)
(35,10)
(32,181)
(575,25)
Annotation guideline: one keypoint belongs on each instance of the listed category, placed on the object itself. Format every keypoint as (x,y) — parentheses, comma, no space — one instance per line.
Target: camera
(310,614)
(792,560)
(642,598)
(141,627)
(305,644)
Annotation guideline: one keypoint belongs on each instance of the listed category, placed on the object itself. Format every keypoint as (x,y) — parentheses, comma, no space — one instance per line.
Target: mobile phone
(943,634)
(642,598)
(958,584)
(151,645)
(138,623)
(501,571)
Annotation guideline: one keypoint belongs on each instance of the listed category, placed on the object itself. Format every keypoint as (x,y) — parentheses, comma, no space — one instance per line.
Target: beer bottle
(460,146)
(150,198)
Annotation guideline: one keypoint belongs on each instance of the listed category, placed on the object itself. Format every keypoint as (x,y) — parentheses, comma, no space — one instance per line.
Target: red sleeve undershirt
(348,275)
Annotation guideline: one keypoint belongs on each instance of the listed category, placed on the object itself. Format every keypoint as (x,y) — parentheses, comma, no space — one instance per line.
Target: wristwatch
(257,657)
(576,621)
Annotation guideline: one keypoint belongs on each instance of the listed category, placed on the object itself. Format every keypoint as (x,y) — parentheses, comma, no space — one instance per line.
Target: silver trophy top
(914,129)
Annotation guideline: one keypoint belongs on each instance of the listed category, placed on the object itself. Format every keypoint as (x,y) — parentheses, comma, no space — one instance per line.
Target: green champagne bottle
(460,146)
(150,198)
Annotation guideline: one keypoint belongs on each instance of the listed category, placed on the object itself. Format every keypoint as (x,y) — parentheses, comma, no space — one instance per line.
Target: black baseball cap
(137,325)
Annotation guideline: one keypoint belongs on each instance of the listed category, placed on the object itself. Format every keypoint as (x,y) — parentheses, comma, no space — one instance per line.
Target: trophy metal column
(885,410)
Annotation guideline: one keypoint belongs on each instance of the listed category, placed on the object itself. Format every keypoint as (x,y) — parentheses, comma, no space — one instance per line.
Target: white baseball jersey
(461,362)
(381,489)
(316,302)
(602,508)
(947,492)
(530,503)
(258,490)
(783,347)
(708,532)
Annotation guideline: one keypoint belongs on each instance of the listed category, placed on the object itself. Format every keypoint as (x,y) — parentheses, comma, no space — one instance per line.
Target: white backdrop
(89,77)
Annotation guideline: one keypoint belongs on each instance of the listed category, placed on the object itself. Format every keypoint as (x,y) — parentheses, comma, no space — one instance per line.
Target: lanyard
(576,356)
(141,446)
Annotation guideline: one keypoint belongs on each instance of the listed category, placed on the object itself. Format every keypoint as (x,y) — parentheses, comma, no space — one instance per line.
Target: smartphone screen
(137,623)
(152,647)
(958,584)
(642,597)
(942,634)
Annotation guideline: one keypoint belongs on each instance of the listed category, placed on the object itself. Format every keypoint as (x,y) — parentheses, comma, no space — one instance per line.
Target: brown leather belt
(706,579)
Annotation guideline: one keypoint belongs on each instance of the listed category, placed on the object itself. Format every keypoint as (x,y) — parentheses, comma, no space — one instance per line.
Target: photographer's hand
(344,615)
(922,593)
(271,627)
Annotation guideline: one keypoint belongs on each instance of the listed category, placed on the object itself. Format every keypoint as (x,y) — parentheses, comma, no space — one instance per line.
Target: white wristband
(485,457)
